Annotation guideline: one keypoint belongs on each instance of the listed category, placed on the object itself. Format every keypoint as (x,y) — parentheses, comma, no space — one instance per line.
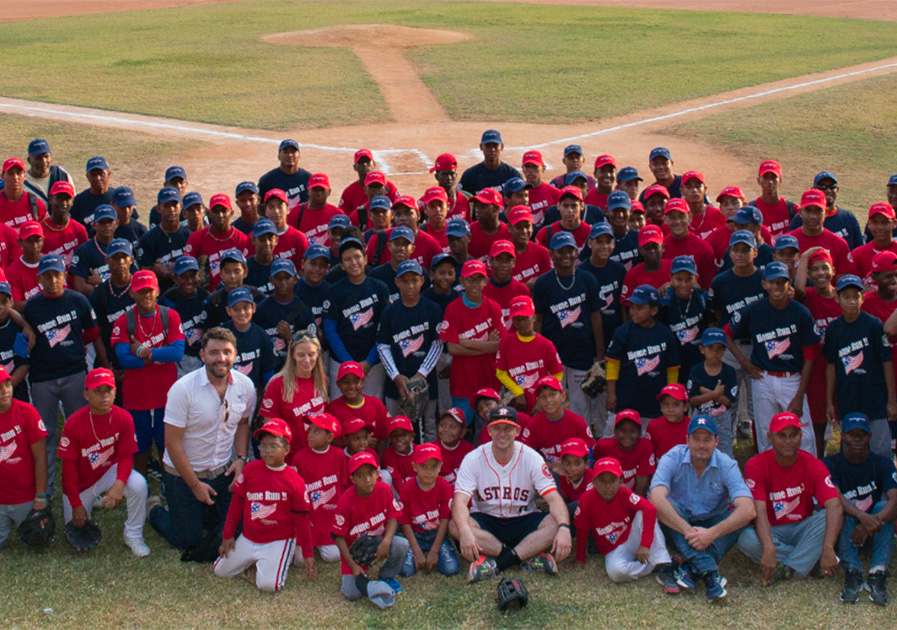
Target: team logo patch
(783,508)
(240,478)
(828,482)
(633,498)
(358,320)
(410,346)
(339,519)
(258,510)
(567,317)
(750,483)
(116,331)
(775,348)
(546,471)
(643,366)
(852,362)
(41,426)
(267,403)
(64,442)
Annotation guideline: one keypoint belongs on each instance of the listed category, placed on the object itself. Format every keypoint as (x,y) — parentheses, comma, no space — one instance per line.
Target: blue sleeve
(168,354)
(672,353)
(733,478)
(266,376)
(663,476)
(127,360)
(337,348)
(373,357)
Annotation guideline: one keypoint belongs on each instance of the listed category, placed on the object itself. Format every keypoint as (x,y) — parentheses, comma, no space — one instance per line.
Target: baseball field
(214,86)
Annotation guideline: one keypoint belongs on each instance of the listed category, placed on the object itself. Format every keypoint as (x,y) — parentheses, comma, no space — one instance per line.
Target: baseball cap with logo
(628,414)
(13,163)
(362,154)
(502,246)
(455,414)
(849,280)
(601,229)
(520,213)
(288,144)
(98,377)
(354,426)
(605,160)
(548,381)
(409,266)
(51,262)
(644,294)
(241,294)
(676,204)
(275,427)
(485,392)
(731,191)
(513,185)
(426,452)
(405,200)
(489,196)
(637,206)
(813,197)
(743,236)
(855,420)
(360,459)
(576,447)
(572,191)
(656,189)
(144,279)
(327,422)
(572,148)
(350,243)
(769,166)
(698,175)
(881,208)
(103,212)
(713,335)
(676,390)
(123,197)
(119,246)
(282,265)
(490,136)
(438,259)
(892,181)
(375,177)
(192,199)
(350,367)
(534,157)
(168,194)
(503,415)
(38,146)
(319,180)
(175,172)
(776,270)
(659,152)
(561,240)
(274,193)
(62,188)
(380,202)
(339,221)
(472,268)
(444,162)
(398,422)
(224,201)
(608,465)
(402,231)
(786,241)
(884,261)
(822,255)
(522,306)
(618,199)
(702,422)
(783,420)
(823,175)
(4,375)
(572,176)
(627,174)
(316,251)
(747,214)
(232,254)
(184,264)
(650,234)
(684,263)
(29,229)
(263,226)
(246,186)
(436,193)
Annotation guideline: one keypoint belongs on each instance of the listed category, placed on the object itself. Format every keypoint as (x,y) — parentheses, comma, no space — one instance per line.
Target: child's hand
(354,567)
(420,560)
(383,549)
(432,558)
(611,402)
(719,390)
(642,554)
(311,568)
(226,545)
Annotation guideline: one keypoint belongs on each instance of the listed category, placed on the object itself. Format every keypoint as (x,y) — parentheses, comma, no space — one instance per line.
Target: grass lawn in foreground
(528,62)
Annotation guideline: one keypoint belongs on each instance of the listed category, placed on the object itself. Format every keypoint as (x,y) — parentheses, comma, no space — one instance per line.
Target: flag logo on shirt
(852,362)
(783,508)
(98,459)
(7,451)
(775,348)
(361,319)
(410,346)
(257,510)
(687,335)
(567,317)
(193,335)
(320,498)
(245,368)
(58,335)
(864,504)
(643,366)
(526,381)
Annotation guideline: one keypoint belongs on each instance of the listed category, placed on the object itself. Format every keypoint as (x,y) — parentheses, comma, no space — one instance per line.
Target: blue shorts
(511,530)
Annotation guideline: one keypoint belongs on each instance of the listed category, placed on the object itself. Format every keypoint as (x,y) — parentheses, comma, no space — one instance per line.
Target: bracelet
(40,497)
(243,457)
(567,525)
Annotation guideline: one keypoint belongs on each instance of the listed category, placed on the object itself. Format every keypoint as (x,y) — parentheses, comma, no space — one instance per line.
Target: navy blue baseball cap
(97,162)
(572,148)
(288,143)
(51,262)
(660,152)
(4,288)
(246,187)
(119,246)
(776,270)
(892,181)
(232,254)
(38,146)
(457,227)
(173,172)
(572,176)
(855,421)
(240,294)
(849,280)
(712,336)
(824,175)
(601,228)
(184,264)
(515,184)
(748,214)
(282,264)
(402,232)
(561,240)
(316,251)
(441,258)
(104,211)
(702,422)
(192,199)
(382,202)
(743,236)
(490,135)
(684,263)
(167,194)
(409,266)
(339,221)
(263,226)
(644,294)
(123,197)
(346,242)
(618,199)
(627,174)
(785,241)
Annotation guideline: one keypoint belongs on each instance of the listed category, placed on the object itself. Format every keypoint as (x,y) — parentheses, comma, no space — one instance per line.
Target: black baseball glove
(364,549)
(37,530)
(512,594)
(415,406)
(83,538)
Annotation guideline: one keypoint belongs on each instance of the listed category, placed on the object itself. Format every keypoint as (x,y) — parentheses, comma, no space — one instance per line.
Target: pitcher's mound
(367,36)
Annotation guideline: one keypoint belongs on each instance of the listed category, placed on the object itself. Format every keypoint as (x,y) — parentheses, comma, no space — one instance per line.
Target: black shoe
(667,579)
(877,585)
(853,584)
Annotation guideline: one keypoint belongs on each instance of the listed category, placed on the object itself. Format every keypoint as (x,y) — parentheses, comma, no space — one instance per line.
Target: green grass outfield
(531,63)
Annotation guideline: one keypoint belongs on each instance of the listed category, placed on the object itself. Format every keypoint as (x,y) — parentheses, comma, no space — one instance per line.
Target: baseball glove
(364,549)
(83,538)
(415,406)
(512,594)
(595,382)
(37,530)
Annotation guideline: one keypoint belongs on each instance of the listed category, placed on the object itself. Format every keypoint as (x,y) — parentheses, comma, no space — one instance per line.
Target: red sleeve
(34,428)
(542,236)
(445,501)
(728,330)
(272,399)
(811,353)
(235,511)
(193,243)
(754,478)
(824,488)
(90,335)
(300,509)
(580,521)
(175,330)
(647,463)
(70,482)
(125,466)
(393,509)
(405,515)
(649,519)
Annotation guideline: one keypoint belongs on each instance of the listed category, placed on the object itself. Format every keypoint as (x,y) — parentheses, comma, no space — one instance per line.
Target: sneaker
(667,579)
(715,585)
(853,584)
(137,546)
(394,585)
(683,576)
(543,562)
(152,502)
(877,585)
(744,430)
(481,569)
(98,502)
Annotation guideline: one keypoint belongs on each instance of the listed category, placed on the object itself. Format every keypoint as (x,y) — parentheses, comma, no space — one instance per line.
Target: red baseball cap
(533,157)
(769,166)
(360,459)
(881,207)
(29,229)
(276,193)
(698,175)
(4,375)
(575,446)
(319,180)
(13,162)
(472,268)
(363,153)
(782,420)
(223,200)
(676,205)
(656,189)
(636,206)
(97,377)
(571,190)
(354,426)
(822,255)
(456,414)
(350,367)
(433,194)
(522,306)
(813,197)
(502,246)
(675,390)
(650,234)
(274,426)
(62,188)
(444,162)
(375,177)
(489,196)
(604,160)
(144,279)
(327,422)
(486,392)
(405,200)
(427,451)
(518,214)
(628,414)
(883,261)
(731,191)
(608,464)
(399,422)
(548,381)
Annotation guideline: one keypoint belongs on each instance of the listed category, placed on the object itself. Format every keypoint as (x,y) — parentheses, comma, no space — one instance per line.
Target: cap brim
(503,421)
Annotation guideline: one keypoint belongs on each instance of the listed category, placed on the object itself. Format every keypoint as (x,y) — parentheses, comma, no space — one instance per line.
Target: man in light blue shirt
(693,490)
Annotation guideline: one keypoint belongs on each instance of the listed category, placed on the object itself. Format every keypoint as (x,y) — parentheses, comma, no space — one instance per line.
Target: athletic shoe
(853,584)
(715,585)
(744,430)
(481,569)
(98,502)
(683,576)
(667,579)
(137,546)
(543,562)
(877,585)
(394,585)
(152,502)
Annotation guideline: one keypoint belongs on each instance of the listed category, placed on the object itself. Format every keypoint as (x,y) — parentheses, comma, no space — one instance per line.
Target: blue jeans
(798,545)
(398,549)
(702,561)
(881,545)
(149,427)
(186,520)
(447,560)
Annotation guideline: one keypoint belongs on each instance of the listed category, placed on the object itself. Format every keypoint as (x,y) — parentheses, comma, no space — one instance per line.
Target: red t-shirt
(290,245)
(306,402)
(423,510)
(398,465)
(441,236)
(638,276)
(881,310)
(20,427)
(836,245)
(775,217)
(458,208)
(15,213)
(22,278)
(639,462)
(700,251)
(532,262)
(527,361)
(502,295)
(572,492)
(314,222)
(425,248)
(96,448)
(547,436)
(863,255)
(326,478)
(788,491)
(62,241)
(356,515)
(595,198)
(354,197)
(610,523)
(9,246)
(580,234)
(702,225)
(541,198)
(720,238)
(452,458)
(372,411)
(204,243)
(481,243)
(470,373)
(664,434)
(147,387)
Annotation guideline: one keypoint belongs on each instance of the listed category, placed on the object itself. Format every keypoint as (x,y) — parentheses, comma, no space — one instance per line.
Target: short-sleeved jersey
(639,462)
(481,243)
(841,223)
(270,313)
(204,243)
(574,491)
(547,436)
(541,198)
(567,315)
(62,240)
(704,224)
(425,248)
(91,257)
(305,402)
(356,515)
(698,250)
(638,275)
(788,491)
(731,293)
(159,246)
(470,373)
(15,213)
(255,352)
(503,294)
(776,216)
(371,410)
(313,223)
(399,465)
(580,233)
(295,185)
(110,302)
(97,443)
(326,478)
(354,197)
(59,324)
(687,319)
(20,428)
(193,316)
(836,245)
(779,336)
(698,378)
(664,435)
(85,203)
(863,484)
(611,522)
(863,255)
(452,458)
(22,278)
(357,310)
(823,309)
(626,249)
(424,509)
(645,354)
(410,333)
(531,263)
(527,361)
(10,359)
(610,288)
(479,176)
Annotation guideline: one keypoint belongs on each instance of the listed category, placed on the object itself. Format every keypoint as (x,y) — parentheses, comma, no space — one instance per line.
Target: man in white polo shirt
(206,443)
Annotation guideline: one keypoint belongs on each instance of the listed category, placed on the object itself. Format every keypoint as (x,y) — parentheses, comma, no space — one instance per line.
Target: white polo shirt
(209,424)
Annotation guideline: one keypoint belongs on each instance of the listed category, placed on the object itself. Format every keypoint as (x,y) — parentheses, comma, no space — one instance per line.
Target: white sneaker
(137,546)
(152,502)
(98,502)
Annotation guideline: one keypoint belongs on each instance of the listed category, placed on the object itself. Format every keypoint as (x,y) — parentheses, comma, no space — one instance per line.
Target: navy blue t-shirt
(270,312)
(59,324)
(644,354)
(9,359)
(441,300)
(687,319)
(698,378)
(356,309)
(764,257)
(259,276)
(387,275)
(158,246)
(242,226)
(132,232)
(216,307)
(478,177)
(193,316)
(85,203)
(109,303)
(410,332)
(610,286)
(255,352)
(842,223)
(626,249)
(858,349)
(295,185)
(779,336)
(91,256)
(730,294)
(675,189)
(566,315)
(864,484)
